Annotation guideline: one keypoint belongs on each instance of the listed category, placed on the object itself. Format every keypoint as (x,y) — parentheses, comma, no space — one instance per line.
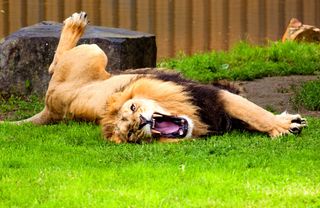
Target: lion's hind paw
(77,20)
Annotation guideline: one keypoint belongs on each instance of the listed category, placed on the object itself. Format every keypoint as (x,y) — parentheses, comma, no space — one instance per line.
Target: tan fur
(257,118)
(171,98)
(80,88)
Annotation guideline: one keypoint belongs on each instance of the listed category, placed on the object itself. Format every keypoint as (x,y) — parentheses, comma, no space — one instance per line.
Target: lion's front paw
(287,124)
(78,20)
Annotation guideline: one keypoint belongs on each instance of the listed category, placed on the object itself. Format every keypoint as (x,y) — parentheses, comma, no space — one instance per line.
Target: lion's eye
(133,107)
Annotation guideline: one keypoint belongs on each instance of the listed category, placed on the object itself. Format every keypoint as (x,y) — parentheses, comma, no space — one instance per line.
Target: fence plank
(55,10)
(16,14)
(253,15)
(124,14)
(71,6)
(35,11)
(146,15)
(220,24)
(182,30)
(309,12)
(92,8)
(179,25)
(199,25)
(274,20)
(237,21)
(293,8)
(4,18)
(109,13)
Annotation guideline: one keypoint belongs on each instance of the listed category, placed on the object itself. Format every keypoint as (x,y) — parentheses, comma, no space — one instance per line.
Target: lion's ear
(116,101)
(113,105)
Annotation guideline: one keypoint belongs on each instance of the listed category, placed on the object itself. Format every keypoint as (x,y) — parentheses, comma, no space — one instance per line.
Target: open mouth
(166,126)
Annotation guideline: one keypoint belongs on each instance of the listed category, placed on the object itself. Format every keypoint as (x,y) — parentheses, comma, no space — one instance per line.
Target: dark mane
(205,96)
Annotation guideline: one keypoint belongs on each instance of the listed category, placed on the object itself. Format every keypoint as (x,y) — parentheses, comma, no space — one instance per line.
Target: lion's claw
(286,123)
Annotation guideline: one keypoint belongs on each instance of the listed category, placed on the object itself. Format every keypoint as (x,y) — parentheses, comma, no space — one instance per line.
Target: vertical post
(133,14)
(171,20)
(206,25)
(152,16)
(317,16)
(282,22)
(115,13)
(262,21)
(4,18)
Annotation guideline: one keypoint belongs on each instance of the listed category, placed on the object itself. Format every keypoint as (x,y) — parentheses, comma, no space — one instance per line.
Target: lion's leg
(72,30)
(82,64)
(259,119)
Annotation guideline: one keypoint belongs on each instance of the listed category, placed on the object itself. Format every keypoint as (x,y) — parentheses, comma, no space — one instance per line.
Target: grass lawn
(248,62)
(70,165)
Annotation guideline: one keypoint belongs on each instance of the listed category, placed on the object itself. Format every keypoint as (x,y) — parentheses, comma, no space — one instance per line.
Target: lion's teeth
(180,132)
(153,123)
(157,115)
(155,131)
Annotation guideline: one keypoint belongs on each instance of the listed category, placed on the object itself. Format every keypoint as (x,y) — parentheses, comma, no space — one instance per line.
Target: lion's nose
(143,122)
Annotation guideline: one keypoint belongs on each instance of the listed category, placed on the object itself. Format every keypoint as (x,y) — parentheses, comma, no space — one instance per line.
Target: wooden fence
(180,25)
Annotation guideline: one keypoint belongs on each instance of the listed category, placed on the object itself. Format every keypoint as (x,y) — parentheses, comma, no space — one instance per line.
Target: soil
(276,93)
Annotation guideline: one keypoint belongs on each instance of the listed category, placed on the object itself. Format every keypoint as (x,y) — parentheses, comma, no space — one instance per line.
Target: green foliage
(309,96)
(248,62)
(70,165)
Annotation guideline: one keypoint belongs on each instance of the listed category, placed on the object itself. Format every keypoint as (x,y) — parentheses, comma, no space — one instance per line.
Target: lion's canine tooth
(180,132)
(157,115)
(155,131)
(153,123)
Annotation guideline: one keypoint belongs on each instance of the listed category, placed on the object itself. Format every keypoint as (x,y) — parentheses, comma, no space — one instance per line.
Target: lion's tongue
(166,127)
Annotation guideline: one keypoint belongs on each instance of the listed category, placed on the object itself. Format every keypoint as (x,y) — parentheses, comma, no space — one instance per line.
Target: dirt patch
(275,93)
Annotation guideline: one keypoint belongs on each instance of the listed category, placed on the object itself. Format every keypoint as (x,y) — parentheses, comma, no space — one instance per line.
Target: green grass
(15,108)
(308,96)
(70,165)
(248,62)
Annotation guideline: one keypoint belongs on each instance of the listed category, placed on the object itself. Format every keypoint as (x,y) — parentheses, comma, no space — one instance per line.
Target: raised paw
(286,123)
(76,20)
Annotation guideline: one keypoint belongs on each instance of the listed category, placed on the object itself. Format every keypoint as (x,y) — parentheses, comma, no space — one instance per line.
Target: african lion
(158,106)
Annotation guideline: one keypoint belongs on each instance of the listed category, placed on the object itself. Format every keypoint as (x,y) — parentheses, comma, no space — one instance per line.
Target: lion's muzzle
(165,126)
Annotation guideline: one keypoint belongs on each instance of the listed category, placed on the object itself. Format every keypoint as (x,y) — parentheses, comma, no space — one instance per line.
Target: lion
(158,106)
